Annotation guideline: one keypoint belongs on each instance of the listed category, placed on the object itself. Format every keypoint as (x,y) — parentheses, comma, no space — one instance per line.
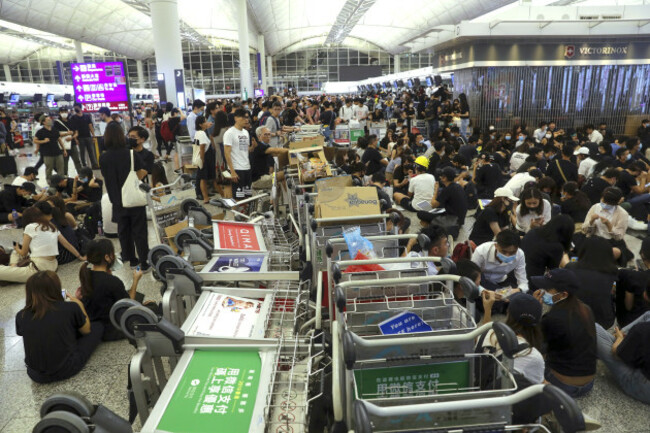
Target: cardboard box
(329,183)
(347,201)
(312,165)
(172,230)
(305,143)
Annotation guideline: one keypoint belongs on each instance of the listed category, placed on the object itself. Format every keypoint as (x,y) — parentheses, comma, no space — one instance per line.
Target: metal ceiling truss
(35,39)
(350,14)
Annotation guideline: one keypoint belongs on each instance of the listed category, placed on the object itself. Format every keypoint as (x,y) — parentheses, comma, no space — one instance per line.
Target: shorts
(264,182)
(242,188)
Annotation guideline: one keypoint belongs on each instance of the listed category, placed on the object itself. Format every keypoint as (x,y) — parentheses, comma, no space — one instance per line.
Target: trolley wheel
(207,233)
(57,422)
(169,262)
(187,204)
(135,316)
(68,401)
(157,252)
(118,309)
(189,233)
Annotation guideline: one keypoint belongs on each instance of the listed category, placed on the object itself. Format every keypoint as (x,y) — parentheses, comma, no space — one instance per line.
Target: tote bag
(132,195)
(196,154)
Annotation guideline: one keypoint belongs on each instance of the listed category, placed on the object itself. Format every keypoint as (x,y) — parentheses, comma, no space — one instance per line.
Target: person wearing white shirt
(593,135)
(206,172)
(197,110)
(585,163)
(360,112)
(533,210)
(421,188)
(236,142)
(517,182)
(346,113)
(540,132)
(502,263)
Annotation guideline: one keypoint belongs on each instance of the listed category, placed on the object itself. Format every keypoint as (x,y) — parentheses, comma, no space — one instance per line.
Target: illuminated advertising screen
(101,84)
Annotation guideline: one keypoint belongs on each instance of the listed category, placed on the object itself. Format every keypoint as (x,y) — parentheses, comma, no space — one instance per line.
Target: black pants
(111,333)
(132,232)
(242,188)
(86,345)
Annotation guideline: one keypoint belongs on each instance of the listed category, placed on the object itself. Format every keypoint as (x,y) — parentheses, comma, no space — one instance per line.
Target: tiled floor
(104,379)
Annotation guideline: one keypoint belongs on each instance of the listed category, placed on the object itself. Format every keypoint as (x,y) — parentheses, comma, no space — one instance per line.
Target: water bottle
(100,228)
(14,214)
(190,221)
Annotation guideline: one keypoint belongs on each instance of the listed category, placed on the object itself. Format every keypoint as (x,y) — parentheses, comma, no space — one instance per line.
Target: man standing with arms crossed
(236,142)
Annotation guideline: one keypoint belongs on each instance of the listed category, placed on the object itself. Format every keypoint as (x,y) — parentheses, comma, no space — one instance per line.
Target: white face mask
(64,116)
(549,135)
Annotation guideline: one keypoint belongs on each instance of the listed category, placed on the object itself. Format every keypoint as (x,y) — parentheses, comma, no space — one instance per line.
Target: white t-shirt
(361,113)
(528,362)
(191,124)
(19,181)
(202,138)
(239,143)
(585,167)
(43,243)
(517,182)
(517,159)
(422,187)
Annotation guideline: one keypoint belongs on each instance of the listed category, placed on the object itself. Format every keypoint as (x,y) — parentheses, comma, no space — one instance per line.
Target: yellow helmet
(423,161)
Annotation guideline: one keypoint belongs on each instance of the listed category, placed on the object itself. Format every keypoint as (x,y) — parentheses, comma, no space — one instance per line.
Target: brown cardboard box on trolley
(312,164)
(329,183)
(347,201)
(172,230)
(305,143)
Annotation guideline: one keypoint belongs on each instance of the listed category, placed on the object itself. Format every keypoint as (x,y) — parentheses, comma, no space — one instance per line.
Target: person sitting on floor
(420,190)
(57,335)
(15,199)
(502,262)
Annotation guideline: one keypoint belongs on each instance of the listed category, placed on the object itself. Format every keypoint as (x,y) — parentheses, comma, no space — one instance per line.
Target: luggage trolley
(169,204)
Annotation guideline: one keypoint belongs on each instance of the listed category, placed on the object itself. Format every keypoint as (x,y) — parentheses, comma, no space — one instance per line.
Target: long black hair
(559,229)
(96,254)
(220,122)
(527,194)
(596,254)
(582,200)
(114,137)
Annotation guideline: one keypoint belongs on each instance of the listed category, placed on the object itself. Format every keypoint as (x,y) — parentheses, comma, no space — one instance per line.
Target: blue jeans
(631,380)
(571,390)
(327,132)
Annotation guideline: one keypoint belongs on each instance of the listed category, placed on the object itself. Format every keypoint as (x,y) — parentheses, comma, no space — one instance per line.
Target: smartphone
(63,293)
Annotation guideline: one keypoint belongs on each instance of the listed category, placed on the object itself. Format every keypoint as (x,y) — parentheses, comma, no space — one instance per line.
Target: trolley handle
(565,408)
(401,281)
(346,219)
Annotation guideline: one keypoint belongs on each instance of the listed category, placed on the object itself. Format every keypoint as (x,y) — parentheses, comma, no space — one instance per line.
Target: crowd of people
(551,209)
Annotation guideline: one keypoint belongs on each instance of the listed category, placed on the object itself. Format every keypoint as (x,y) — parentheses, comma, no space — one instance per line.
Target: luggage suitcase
(8,165)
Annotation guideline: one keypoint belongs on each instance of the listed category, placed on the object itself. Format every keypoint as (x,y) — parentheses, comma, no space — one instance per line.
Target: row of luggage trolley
(270,325)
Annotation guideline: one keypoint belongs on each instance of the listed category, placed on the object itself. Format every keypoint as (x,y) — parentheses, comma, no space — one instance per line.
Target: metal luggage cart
(341,135)
(165,202)
(243,210)
(184,151)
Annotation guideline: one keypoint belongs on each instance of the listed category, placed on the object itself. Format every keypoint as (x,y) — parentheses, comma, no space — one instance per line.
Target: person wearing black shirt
(17,199)
(378,180)
(623,158)
(262,162)
(82,124)
(431,115)
(495,217)
(595,186)
(50,145)
(627,355)
(574,202)
(375,163)
(451,197)
(136,138)
(89,188)
(100,290)
(116,163)
(627,180)
(65,187)
(546,247)
(563,169)
(58,336)
(328,119)
(569,332)
(401,176)
(486,175)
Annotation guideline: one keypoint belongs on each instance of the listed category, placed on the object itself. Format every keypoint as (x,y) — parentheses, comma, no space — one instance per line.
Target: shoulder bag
(132,195)
(196,154)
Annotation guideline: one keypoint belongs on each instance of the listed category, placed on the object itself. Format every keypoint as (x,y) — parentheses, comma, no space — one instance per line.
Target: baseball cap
(582,151)
(28,186)
(505,192)
(30,170)
(56,179)
(559,279)
(524,309)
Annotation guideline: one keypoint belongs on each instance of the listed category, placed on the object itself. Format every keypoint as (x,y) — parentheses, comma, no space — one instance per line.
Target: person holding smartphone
(58,335)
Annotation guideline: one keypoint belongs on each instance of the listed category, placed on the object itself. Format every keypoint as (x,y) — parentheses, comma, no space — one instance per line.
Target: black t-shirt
(634,282)
(540,254)
(452,197)
(570,343)
(116,165)
(569,169)
(260,161)
(634,351)
(51,148)
(91,194)
(482,232)
(327,118)
(147,159)
(290,117)
(488,179)
(81,124)
(625,182)
(571,207)
(50,340)
(107,290)
(10,200)
(62,125)
(467,151)
(68,188)
(372,158)
(594,188)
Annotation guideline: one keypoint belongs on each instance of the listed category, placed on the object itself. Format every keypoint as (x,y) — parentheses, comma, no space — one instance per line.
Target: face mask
(508,137)
(628,157)
(83,180)
(132,142)
(506,259)
(640,146)
(549,135)
(547,298)
(607,207)
(116,264)
(521,139)
(64,116)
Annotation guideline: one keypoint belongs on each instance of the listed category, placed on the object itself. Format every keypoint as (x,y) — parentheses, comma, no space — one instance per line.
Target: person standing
(150,126)
(197,110)
(50,145)
(137,136)
(82,124)
(274,126)
(62,125)
(236,143)
(131,222)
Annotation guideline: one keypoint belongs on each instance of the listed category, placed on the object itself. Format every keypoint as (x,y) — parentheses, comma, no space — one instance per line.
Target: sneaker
(635,224)
(591,424)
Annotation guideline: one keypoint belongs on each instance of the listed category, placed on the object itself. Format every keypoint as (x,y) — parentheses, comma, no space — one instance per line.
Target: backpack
(262,120)
(166,132)
(463,250)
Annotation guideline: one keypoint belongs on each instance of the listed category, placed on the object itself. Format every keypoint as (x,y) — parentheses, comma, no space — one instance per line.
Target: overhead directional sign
(102,84)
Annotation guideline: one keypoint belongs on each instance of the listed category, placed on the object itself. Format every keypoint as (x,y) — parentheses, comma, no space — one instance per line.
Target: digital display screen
(15,97)
(429,81)
(259,93)
(101,84)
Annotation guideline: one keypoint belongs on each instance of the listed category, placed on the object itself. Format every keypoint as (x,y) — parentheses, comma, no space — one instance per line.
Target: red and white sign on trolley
(236,236)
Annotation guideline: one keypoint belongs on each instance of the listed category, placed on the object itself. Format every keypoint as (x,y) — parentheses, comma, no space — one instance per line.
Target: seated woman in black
(597,272)
(57,335)
(100,289)
(574,203)
(496,216)
(547,247)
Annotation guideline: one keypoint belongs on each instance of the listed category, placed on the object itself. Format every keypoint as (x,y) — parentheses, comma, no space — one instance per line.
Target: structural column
(246,82)
(396,63)
(167,46)
(261,56)
(269,70)
(138,65)
(7,72)
(80,52)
